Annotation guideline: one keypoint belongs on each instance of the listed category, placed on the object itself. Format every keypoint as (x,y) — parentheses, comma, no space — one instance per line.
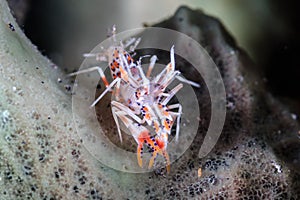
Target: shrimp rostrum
(139,99)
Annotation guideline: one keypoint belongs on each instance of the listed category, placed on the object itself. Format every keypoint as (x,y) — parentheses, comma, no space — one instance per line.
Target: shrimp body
(140,99)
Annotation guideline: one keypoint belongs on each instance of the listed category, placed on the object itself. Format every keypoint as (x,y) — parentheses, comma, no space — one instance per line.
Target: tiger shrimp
(140,99)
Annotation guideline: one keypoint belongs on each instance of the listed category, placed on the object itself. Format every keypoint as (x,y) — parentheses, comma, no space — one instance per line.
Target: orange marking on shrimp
(147,116)
(147,113)
(124,74)
(105,81)
(145,109)
(160,143)
(115,64)
(144,137)
(156,126)
(112,67)
(165,113)
(166,124)
(139,154)
(129,59)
